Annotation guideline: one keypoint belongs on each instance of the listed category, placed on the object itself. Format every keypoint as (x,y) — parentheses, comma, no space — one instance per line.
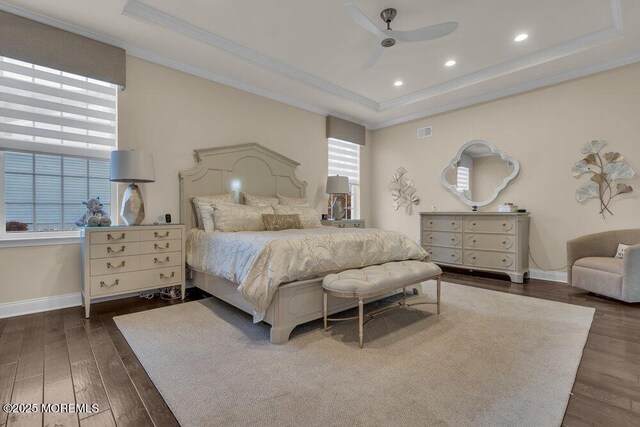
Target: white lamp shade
(132,166)
(337,185)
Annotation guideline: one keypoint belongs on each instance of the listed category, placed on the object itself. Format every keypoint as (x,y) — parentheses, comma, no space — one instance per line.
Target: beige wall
(544,130)
(39,271)
(170,113)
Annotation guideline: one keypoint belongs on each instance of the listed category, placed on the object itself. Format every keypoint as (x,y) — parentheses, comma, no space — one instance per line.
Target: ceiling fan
(389,37)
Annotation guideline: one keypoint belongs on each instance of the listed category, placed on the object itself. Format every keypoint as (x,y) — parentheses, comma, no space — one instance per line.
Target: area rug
(489,358)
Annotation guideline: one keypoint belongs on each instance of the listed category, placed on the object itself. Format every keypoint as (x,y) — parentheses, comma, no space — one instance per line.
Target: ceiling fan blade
(373,58)
(361,19)
(426,33)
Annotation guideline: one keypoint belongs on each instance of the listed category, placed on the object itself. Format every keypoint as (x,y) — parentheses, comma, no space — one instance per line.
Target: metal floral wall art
(606,172)
(402,191)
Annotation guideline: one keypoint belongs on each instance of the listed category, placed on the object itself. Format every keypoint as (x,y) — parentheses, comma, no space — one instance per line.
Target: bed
(274,276)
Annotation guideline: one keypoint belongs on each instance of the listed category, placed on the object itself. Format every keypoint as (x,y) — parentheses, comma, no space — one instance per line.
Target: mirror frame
(494,150)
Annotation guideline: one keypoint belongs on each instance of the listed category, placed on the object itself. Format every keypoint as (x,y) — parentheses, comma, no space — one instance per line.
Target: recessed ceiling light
(521,37)
(398,83)
(450,63)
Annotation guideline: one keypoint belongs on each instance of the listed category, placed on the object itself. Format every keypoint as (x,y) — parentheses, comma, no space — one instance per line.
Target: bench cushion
(376,279)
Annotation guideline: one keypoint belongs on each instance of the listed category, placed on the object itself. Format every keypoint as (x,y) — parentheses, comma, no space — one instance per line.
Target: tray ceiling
(310,53)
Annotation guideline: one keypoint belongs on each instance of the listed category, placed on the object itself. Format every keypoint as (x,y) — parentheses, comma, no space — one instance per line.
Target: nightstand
(344,223)
(120,260)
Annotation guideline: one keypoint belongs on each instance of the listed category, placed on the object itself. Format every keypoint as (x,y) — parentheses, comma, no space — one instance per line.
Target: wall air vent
(424,132)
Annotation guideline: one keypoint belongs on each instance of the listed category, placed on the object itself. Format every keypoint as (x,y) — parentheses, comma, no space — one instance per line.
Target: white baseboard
(38,305)
(552,276)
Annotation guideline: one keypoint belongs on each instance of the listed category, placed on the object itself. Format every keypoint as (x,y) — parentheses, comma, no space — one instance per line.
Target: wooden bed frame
(254,169)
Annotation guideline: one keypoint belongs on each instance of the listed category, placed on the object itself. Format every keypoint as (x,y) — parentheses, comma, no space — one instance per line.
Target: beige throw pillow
(203,206)
(233,217)
(309,217)
(292,201)
(274,222)
(253,200)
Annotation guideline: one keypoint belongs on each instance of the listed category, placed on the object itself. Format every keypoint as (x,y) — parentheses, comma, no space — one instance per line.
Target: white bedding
(260,261)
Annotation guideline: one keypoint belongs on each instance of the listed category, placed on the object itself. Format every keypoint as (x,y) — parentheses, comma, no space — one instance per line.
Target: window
(57,130)
(463,179)
(344,160)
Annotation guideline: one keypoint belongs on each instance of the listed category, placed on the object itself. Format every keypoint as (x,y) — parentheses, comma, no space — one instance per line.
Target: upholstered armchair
(592,266)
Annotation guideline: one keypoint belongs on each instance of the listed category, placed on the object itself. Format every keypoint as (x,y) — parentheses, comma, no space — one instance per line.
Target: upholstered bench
(377,280)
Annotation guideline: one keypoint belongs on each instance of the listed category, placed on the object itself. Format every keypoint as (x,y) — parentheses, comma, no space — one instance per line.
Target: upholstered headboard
(249,168)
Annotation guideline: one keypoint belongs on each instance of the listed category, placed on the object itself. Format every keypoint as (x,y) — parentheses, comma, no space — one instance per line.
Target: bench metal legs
(361,321)
(372,315)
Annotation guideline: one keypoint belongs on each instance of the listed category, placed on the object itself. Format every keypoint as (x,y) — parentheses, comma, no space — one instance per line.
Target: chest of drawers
(483,241)
(120,260)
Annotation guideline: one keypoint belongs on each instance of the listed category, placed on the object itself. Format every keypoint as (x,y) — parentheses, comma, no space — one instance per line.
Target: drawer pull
(104,285)
(504,225)
(474,240)
(171,276)
(453,240)
(157,246)
(111,251)
(157,261)
(504,243)
(504,260)
(473,223)
(109,265)
(453,223)
(161,236)
(453,255)
(110,237)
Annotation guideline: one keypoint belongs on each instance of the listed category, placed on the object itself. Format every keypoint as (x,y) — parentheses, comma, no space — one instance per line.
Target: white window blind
(50,111)
(344,160)
(463,179)
(44,192)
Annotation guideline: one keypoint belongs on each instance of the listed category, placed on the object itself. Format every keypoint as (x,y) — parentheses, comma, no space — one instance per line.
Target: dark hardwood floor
(60,356)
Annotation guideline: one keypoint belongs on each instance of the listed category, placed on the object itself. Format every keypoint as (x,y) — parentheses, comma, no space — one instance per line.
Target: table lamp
(132,166)
(336,185)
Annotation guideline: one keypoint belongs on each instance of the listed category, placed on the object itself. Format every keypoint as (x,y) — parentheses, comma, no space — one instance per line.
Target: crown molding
(542,56)
(136,9)
(135,51)
(155,58)
(514,90)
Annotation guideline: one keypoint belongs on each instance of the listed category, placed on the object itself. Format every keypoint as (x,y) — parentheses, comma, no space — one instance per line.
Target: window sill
(40,239)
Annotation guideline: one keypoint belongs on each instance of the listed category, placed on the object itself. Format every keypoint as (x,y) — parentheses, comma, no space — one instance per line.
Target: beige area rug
(489,359)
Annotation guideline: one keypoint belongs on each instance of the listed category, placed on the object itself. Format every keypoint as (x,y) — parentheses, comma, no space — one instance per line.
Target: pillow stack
(259,213)
(203,205)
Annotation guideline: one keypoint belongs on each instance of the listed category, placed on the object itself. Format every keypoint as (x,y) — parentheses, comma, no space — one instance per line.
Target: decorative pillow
(309,217)
(274,222)
(233,217)
(204,203)
(292,201)
(621,249)
(253,200)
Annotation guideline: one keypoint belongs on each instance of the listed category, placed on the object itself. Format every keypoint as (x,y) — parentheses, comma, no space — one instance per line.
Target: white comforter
(260,261)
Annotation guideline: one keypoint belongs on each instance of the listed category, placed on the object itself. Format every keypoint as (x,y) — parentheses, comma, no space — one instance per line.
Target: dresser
(482,241)
(344,223)
(120,260)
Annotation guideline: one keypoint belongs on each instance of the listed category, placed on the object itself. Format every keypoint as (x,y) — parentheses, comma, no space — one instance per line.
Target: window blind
(44,192)
(344,160)
(51,111)
(463,179)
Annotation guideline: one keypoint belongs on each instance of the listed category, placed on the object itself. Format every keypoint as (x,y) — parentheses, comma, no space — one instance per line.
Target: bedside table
(344,223)
(120,260)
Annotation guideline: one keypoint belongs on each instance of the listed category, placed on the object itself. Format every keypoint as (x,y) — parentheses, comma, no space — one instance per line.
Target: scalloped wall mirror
(479,172)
